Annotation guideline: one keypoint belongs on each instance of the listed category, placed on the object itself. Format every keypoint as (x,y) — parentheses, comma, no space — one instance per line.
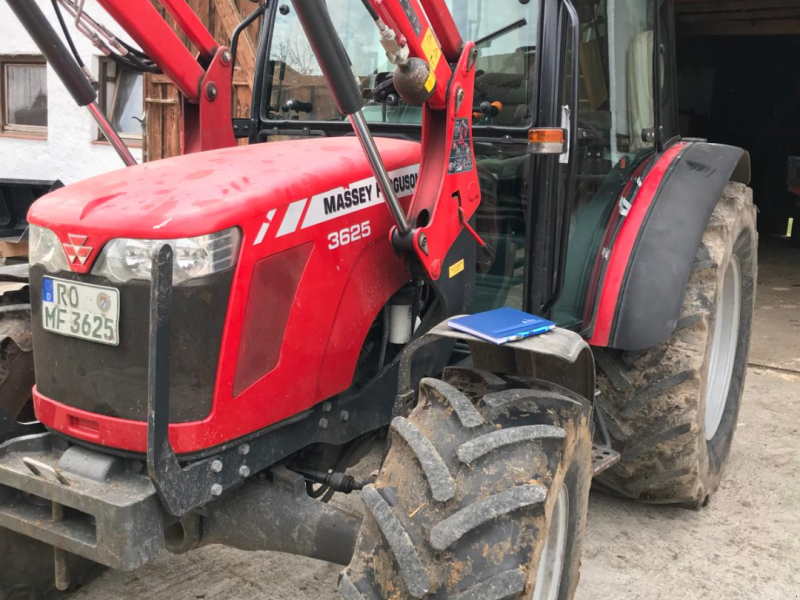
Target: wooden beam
(786,27)
(755,15)
(703,6)
(228,14)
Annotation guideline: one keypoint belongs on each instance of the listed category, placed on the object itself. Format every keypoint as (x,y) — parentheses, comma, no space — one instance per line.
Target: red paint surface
(394,15)
(339,296)
(624,244)
(193,27)
(442,194)
(141,20)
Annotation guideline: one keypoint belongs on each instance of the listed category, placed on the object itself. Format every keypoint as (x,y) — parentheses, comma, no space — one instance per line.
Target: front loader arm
(448,193)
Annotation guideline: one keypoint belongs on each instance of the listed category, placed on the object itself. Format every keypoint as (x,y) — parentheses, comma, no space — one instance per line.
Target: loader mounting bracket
(186,482)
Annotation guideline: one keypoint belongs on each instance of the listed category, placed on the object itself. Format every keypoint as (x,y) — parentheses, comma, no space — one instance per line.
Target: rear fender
(651,261)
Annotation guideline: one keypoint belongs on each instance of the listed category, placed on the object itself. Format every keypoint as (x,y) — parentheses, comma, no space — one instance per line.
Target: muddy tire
(672,410)
(27,569)
(16,357)
(486,479)
(26,565)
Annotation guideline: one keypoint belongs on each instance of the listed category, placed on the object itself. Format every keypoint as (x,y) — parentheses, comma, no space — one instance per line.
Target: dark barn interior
(737,68)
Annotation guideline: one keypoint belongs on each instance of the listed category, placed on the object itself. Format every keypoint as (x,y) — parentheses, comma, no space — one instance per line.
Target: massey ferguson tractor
(219,337)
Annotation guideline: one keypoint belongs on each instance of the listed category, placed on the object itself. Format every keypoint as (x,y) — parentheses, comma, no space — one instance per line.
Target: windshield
(506,64)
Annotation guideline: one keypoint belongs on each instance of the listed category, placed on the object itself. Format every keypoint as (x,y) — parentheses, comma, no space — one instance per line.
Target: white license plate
(81,310)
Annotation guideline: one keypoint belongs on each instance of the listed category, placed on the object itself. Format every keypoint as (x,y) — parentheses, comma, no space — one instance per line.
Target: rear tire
(672,410)
(482,496)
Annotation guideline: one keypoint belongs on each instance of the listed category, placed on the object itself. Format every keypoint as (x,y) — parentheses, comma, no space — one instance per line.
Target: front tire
(483,495)
(672,410)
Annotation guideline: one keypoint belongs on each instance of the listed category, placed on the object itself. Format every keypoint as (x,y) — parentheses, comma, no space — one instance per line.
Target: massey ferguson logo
(76,250)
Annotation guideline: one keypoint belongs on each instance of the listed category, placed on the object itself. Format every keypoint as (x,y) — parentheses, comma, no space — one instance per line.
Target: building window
(122,98)
(24,94)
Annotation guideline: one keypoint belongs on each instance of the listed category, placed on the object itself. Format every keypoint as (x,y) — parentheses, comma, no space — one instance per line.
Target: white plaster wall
(68,153)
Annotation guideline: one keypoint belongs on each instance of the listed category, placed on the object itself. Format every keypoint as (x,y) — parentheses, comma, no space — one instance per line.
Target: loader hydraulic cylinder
(337,69)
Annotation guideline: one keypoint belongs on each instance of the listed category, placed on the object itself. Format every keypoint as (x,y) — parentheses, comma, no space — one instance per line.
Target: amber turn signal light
(547,140)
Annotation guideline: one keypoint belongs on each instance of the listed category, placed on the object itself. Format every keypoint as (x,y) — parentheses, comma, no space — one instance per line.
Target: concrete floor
(745,545)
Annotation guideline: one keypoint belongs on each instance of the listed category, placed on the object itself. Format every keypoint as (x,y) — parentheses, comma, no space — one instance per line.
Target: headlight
(46,250)
(124,259)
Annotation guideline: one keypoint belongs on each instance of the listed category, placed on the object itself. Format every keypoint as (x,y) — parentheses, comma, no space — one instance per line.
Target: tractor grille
(112,380)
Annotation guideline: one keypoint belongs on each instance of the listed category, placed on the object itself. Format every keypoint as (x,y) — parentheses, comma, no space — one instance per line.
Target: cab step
(603,458)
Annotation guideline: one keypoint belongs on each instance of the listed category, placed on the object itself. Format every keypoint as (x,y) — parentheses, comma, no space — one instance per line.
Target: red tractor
(218,337)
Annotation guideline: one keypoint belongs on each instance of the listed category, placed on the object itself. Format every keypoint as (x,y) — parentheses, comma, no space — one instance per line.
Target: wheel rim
(551,563)
(723,348)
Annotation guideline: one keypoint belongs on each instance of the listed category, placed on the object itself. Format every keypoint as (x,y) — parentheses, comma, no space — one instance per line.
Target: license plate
(81,310)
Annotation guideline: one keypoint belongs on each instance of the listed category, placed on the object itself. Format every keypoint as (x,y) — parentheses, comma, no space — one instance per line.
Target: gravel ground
(745,545)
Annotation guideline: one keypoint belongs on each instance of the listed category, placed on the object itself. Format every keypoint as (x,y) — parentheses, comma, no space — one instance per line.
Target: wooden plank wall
(738,17)
(163,136)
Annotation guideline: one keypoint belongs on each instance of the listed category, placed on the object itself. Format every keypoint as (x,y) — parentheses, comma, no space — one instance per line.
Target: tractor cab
(533,62)
(218,337)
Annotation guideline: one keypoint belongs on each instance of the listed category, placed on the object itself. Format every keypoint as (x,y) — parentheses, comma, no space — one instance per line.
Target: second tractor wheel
(672,410)
(26,565)
(483,495)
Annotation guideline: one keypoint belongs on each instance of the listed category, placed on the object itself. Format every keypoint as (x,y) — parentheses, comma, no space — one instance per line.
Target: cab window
(505,75)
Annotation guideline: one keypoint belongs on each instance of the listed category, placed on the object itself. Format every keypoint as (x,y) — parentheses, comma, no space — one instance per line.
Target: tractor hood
(207,192)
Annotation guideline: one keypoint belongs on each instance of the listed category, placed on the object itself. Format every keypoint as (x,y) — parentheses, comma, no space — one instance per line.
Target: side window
(615,113)
(669,71)
(24,95)
(122,99)
(507,56)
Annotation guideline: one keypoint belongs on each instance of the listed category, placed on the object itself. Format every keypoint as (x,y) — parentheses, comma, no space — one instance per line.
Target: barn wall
(161,97)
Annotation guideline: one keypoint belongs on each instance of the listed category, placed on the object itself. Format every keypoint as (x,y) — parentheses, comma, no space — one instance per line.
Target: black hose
(135,51)
(67,35)
(326,492)
(372,12)
(135,64)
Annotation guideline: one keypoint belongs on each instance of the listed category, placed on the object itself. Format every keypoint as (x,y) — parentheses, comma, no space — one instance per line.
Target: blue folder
(502,325)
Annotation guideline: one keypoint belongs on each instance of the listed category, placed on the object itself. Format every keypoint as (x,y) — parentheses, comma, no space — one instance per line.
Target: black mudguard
(661,263)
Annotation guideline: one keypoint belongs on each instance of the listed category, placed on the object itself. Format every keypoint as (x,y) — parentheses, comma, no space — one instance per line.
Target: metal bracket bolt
(423,243)
(211,91)
(225,57)
(460,98)
(323,423)
(216,466)
(244,449)
(244,471)
(473,58)
(344,415)
(216,490)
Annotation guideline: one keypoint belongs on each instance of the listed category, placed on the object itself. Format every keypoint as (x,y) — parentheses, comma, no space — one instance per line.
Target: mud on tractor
(218,337)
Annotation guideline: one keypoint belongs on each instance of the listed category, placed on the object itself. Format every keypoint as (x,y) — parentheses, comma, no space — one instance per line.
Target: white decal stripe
(357,196)
(265,227)
(292,218)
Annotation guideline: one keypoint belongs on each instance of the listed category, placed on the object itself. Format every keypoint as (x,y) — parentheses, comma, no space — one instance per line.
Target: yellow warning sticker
(431,48)
(430,82)
(456,268)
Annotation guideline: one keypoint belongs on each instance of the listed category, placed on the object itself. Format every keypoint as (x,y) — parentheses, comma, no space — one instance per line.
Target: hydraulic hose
(54,50)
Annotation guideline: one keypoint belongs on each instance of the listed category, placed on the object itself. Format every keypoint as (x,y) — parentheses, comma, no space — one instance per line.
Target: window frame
(13,129)
(108,104)
(266,127)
